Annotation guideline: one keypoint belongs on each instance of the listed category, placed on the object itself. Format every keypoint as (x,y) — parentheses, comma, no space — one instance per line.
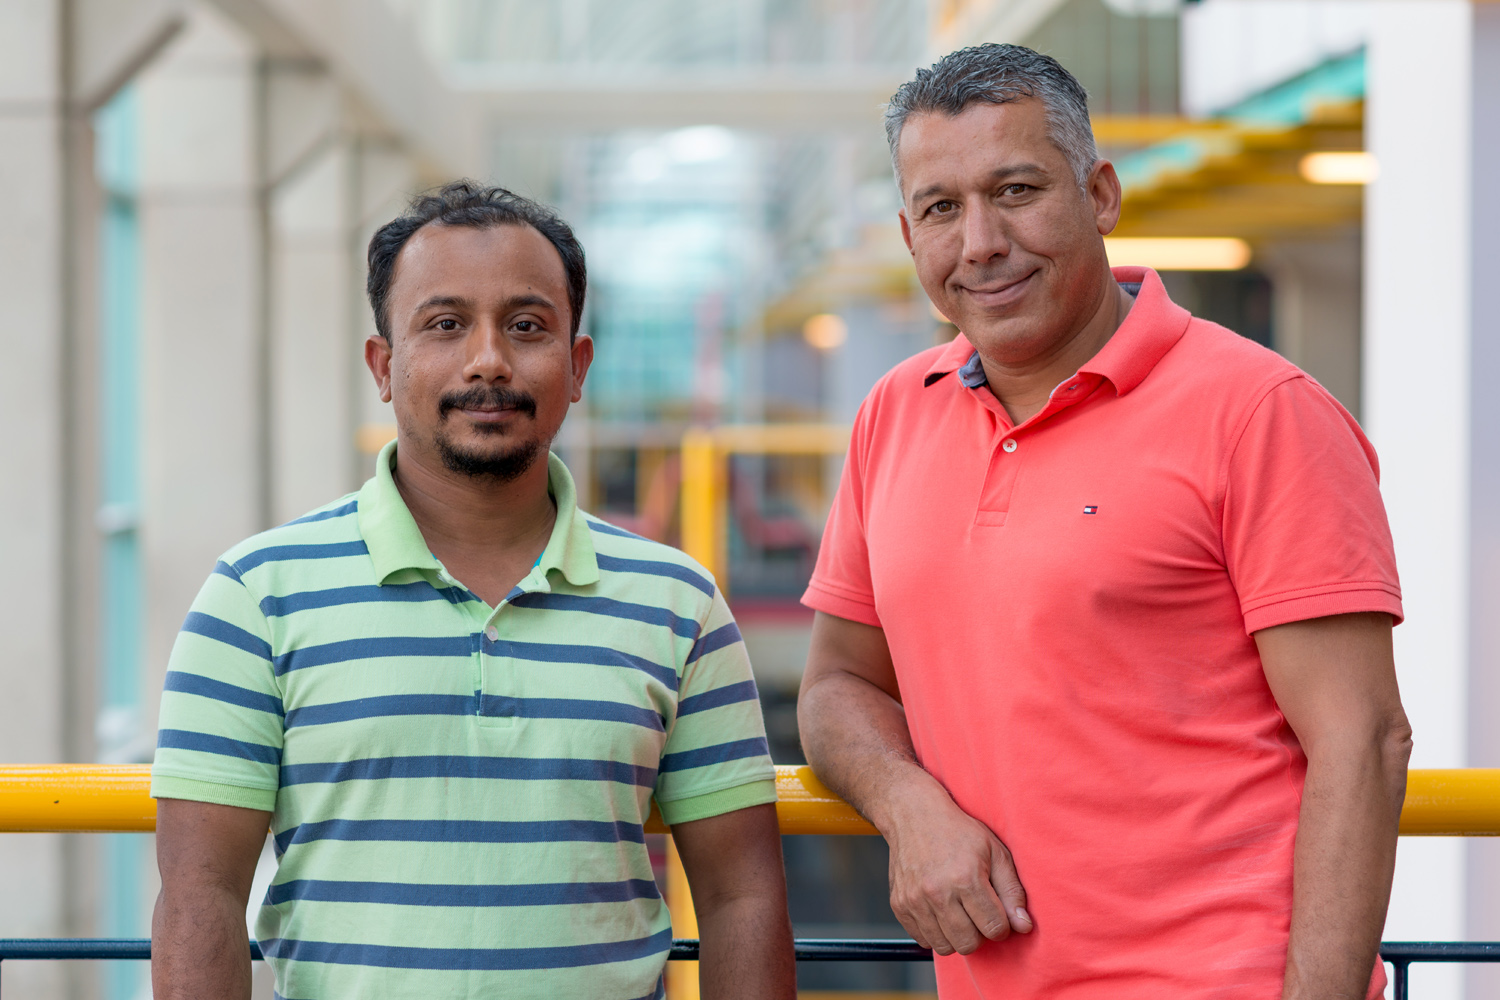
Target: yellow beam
(115,798)
(1133,130)
(781,439)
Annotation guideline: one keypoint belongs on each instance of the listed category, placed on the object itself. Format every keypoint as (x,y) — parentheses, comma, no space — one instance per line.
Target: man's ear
(905,229)
(1105,195)
(378,359)
(582,352)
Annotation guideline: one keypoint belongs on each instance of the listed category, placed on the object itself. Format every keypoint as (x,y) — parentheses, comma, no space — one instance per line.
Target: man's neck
(487,534)
(1024,388)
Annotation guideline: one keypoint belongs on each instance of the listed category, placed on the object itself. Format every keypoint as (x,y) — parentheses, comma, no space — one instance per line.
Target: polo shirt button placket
(492,669)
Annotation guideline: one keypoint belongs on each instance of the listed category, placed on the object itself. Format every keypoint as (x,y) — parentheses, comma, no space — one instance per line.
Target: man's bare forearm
(746,952)
(856,739)
(200,946)
(1345,856)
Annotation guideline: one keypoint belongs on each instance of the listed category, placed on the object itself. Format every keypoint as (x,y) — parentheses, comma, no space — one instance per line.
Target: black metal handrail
(1400,954)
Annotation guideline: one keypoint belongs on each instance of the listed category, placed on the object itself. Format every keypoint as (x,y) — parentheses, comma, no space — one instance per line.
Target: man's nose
(487,354)
(984,234)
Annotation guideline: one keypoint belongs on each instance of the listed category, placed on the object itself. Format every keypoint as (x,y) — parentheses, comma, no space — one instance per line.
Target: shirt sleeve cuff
(1303,607)
(820,598)
(726,800)
(167,786)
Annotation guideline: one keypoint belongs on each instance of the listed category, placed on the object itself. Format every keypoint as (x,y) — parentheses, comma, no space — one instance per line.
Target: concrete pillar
(1484,479)
(203,222)
(1316,296)
(1431,366)
(43,403)
(313,336)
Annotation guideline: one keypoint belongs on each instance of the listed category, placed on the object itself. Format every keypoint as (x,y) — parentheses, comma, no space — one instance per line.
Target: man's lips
(999,294)
(486,414)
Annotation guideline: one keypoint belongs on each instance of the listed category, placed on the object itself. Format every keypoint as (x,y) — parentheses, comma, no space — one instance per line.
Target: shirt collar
(396,543)
(1154,326)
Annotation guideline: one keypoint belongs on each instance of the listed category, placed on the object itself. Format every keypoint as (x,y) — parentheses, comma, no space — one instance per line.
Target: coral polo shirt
(1069,604)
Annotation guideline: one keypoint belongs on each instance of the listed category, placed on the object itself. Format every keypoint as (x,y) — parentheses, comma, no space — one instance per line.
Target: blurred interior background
(187,188)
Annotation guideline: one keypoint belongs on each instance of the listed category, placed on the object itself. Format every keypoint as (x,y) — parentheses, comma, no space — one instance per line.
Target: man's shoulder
(327,531)
(620,551)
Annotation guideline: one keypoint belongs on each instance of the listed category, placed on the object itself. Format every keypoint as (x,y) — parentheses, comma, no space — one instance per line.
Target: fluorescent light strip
(1348,167)
(1179,253)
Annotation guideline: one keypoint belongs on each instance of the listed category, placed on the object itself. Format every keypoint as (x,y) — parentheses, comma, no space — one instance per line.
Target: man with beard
(453,696)
(1103,643)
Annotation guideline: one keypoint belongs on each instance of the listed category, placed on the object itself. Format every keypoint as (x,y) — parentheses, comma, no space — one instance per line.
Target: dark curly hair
(468,203)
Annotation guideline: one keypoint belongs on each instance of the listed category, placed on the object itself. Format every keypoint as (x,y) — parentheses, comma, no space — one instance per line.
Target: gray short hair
(999,74)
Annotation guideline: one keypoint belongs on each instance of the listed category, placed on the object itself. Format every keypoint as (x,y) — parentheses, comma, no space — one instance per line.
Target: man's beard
(501,467)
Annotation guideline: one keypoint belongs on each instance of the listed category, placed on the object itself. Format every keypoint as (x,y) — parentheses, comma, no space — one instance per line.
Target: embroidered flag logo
(1091,509)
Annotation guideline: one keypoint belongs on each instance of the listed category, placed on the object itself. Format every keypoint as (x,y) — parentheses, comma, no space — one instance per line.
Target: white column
(44,401)
(1484,484)
(205,484)
(1419,321)
(312,336)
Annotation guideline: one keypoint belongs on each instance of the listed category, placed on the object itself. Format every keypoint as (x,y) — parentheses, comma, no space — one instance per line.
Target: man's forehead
(495,254)
(982,137)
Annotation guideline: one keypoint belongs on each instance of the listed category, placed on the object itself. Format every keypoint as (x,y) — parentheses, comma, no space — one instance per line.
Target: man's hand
(207,855)
(953,883)
(1335,681)
(734,868)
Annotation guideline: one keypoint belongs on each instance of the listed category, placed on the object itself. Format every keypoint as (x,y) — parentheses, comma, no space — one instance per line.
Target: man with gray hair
(1103,643)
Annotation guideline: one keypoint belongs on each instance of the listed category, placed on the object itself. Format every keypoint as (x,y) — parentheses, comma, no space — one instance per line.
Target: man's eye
(447,325)
(526,326)
(942,208)
(1015,189)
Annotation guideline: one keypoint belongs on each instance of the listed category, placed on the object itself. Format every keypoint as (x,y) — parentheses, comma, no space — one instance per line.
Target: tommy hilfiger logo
(1091,509)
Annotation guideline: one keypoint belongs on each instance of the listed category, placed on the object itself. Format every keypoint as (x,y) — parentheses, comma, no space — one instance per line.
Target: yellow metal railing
(105,798)
(705,476)
(115,798)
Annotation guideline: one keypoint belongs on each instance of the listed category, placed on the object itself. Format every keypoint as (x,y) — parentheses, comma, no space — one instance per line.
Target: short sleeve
(1304,528)
(716,759)
(222,720)
(841,581)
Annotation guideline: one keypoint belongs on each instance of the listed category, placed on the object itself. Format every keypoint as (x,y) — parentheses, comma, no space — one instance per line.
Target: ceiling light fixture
(1348,167)
(1179,253)
(825,331)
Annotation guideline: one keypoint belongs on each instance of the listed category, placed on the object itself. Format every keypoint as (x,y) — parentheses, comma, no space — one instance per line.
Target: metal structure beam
(784,100)
(374,54)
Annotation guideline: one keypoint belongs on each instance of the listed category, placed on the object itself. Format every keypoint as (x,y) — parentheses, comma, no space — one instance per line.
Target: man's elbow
(1395,742)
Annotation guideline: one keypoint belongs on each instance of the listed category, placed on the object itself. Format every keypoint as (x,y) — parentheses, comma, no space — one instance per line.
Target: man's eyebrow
(459,302)
(530,300)
(454,301)
(998,174)
(1016,169)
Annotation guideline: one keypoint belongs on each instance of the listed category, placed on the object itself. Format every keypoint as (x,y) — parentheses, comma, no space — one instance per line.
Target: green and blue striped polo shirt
(459,792)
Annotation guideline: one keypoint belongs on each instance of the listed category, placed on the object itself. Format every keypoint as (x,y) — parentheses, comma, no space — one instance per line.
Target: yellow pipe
(702,500)
(115,798)
(76,798)
(682,977)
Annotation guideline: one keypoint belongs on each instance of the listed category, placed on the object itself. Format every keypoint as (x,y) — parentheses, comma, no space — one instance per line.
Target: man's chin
(498,463)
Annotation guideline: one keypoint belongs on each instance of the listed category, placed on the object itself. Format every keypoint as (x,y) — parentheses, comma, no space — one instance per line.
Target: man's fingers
(1012,893)
(922,925)
(986,912)
(962,934)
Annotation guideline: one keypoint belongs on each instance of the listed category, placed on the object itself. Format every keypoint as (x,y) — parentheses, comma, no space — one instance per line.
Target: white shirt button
(1009,444)
(492,633)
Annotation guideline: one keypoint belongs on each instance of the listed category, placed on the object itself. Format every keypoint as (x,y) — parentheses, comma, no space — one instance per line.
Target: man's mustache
(497,397)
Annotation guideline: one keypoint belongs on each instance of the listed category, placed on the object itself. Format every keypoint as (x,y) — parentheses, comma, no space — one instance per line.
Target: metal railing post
(1399,987)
